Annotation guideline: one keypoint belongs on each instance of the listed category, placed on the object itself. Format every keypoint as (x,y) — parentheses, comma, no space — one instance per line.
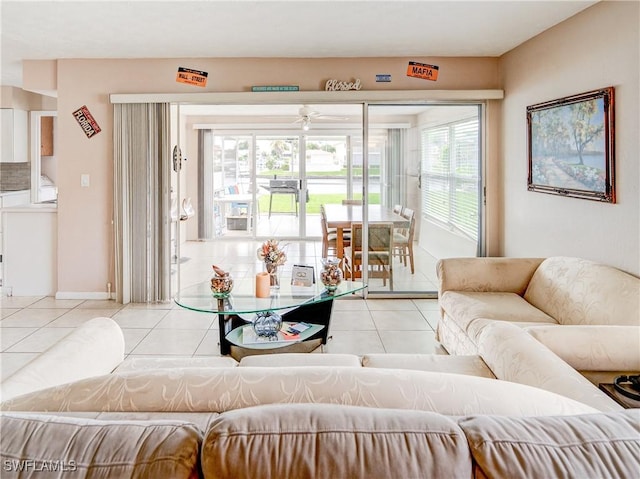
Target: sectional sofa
(586,313)
(81,408)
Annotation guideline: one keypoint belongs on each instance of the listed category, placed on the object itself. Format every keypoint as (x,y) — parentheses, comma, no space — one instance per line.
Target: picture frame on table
(570,143)
(302,275)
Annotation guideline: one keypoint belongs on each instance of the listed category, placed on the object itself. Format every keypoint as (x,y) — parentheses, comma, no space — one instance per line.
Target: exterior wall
(596,48)
(85,259)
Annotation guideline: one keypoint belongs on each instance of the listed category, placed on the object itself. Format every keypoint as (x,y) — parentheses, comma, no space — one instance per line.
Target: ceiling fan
(306,114)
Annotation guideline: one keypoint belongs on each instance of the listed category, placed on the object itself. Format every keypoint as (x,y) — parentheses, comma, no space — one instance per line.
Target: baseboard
(95,295)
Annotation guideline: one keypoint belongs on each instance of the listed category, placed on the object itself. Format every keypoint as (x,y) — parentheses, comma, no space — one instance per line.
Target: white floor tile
(132,338)
(355,342)
(100,304)
(352,321)
(139,318)
(432,318)
(40,340)
(210,345)
(186,319)
(10,336)
(17,301)
(399,320)
(350,303)
(183,342)
(11,362)
(391,305)
(6,312)
(76,317)
(31,318)
(53,303)
(412,342)
(427,304)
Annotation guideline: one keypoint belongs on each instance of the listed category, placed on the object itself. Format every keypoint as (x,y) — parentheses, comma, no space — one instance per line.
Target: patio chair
(380,253)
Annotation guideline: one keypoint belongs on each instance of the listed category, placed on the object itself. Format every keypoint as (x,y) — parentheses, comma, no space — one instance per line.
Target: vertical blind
(451,175)
(142,223)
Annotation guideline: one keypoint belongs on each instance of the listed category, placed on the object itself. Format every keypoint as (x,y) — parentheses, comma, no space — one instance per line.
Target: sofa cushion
(99,449)
(468,365)
(465,307)
(300,359)
(589,446)
(578,291)
(513,355)
(223,389)
(510,275)
(592,348)
(136,364)
(331,441)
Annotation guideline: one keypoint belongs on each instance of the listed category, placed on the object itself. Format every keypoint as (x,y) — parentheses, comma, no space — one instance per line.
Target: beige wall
(85,256)
(597,48)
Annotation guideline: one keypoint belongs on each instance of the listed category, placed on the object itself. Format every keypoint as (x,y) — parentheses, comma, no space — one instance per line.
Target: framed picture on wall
(570,145)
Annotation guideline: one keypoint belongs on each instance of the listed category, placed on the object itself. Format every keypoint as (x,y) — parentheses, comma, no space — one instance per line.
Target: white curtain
(142,222)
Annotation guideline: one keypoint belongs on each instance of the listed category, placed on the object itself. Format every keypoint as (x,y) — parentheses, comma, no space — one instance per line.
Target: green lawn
(357,172)
(283,203)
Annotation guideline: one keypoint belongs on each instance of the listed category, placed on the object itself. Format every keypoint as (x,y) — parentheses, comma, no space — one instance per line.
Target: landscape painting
(571,146)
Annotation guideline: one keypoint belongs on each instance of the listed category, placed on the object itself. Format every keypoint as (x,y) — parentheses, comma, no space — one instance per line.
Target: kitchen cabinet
(29,250)
(46,136)
(13,139)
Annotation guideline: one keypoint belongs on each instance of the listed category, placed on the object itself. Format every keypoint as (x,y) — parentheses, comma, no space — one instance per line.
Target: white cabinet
(29,251)
(13,140)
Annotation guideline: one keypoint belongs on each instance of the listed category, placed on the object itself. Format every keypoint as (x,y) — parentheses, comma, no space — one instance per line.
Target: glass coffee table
(312,305)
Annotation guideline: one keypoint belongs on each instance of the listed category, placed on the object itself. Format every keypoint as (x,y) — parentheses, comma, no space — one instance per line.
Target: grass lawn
(283,204)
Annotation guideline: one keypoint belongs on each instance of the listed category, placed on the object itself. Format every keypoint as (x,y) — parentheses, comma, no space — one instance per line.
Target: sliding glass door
(424,171)
(264,171)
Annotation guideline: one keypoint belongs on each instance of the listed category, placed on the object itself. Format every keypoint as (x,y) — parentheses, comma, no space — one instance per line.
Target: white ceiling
(290,28)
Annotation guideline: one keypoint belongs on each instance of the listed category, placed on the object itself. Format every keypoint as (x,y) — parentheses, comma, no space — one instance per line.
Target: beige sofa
(301,415)
(586,313)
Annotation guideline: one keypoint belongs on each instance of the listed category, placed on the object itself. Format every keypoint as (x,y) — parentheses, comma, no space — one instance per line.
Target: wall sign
(275,88)
(422,70)
(192,77)
(384,78)
(337,85)
(86,121)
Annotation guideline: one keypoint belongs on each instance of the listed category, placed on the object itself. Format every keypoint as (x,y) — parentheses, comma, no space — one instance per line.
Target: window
(450,175)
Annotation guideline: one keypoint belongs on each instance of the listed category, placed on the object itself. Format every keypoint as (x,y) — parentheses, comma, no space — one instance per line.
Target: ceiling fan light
(306,124)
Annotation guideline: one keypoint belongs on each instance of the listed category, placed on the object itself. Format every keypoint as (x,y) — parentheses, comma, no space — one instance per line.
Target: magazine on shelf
(290,332)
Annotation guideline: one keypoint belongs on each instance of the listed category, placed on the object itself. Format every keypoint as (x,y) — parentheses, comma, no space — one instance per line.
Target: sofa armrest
(94,348)
(514,355)
(592,348)
(505,275)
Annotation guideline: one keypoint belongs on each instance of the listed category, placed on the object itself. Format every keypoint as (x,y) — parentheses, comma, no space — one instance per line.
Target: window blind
(450,175)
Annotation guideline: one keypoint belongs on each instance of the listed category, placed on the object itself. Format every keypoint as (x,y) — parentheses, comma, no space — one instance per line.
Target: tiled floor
(29,325)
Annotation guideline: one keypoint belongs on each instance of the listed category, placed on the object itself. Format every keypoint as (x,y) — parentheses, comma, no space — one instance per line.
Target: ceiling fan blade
(330,117)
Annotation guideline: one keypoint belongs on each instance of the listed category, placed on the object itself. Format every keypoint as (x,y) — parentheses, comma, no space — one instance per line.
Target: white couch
(303,415)
(586,313)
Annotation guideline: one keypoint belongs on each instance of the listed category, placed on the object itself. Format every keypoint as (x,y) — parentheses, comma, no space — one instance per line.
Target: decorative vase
(274,274)
(331,274)
(267,324)
(221,285)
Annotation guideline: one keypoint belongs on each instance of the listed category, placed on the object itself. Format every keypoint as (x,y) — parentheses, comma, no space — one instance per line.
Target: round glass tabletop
(242,299)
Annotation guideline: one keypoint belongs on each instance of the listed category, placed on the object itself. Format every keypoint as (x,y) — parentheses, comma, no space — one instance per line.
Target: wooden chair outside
(403,240)
(380,255)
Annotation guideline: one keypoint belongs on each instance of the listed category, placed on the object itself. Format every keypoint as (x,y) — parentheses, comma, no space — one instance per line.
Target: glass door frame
(404,97)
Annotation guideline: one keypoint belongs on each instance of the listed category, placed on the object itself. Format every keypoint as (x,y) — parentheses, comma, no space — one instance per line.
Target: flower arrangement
(271,252)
